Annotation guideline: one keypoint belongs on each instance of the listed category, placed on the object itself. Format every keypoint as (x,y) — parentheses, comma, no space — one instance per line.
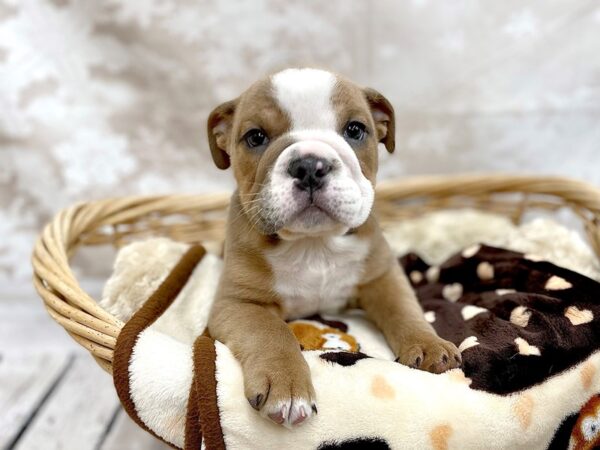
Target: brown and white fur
(301,238)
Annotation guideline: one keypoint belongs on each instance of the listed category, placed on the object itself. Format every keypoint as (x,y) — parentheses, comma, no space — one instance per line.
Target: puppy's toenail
(417,363)
(301,416)
(445,359)
(277,417)
(314,408)
(256,401)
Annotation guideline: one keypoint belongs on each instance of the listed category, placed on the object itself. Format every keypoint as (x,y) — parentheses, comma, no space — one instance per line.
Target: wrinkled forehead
(301,99)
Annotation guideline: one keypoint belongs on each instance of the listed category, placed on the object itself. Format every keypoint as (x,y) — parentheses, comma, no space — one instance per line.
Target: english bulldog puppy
(301,238)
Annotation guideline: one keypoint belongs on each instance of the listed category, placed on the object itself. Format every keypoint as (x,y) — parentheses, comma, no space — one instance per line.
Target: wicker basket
(202,218)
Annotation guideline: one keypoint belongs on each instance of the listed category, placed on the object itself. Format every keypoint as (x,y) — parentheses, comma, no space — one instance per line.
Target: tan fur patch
(520,316)
(471,251)
(349,103)
(579,316)
(587,375)
(523,409)
(429,316)
(485,271)
(439,436)
(380,388)
(255,108)
(505,291)
(556,283)
(470,311)
(452,292)
(416,276)
(533,257)
(469,342)
(526,349)
(433,274)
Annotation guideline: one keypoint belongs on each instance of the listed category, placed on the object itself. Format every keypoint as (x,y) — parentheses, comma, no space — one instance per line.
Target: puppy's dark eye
(256,138)
(355,131)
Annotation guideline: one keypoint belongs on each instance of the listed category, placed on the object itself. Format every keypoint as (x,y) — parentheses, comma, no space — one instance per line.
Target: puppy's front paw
(427,351)
(281,391)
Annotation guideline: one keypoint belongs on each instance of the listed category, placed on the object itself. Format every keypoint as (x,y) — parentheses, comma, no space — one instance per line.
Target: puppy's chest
(317,275)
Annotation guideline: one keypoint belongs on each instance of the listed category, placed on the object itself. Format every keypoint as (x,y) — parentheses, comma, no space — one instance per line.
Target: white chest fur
(317,274)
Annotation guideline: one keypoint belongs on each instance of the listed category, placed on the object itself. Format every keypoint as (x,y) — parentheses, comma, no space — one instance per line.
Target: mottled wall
(104,98)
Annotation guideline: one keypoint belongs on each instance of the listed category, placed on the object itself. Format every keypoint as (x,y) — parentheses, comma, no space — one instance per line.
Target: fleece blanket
(527,329)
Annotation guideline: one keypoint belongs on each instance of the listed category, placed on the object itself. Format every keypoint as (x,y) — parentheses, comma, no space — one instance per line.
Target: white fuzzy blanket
(367,401)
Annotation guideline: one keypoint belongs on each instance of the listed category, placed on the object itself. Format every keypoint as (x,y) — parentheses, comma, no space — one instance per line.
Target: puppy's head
(303,147)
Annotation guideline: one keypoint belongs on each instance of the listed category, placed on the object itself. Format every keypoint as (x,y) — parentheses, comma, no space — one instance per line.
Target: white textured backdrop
(105,98)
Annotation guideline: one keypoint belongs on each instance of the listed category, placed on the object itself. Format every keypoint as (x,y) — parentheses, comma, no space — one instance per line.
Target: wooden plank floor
(52,393)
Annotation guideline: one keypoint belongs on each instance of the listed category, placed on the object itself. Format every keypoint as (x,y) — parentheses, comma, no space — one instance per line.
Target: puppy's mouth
(315,214)
(312,214)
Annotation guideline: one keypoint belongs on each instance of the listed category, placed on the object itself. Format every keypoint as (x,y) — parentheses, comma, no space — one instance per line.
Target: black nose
(310,172)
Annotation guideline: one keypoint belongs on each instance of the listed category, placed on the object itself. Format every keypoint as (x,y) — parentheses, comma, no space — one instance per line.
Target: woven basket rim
(87,223)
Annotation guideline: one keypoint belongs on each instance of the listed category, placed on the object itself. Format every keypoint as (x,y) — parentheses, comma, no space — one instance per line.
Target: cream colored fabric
(139,269)
(441,411)
(437,236)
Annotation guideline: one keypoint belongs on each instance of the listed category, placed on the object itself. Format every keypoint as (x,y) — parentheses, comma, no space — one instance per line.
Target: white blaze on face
(347,196)
(305,94)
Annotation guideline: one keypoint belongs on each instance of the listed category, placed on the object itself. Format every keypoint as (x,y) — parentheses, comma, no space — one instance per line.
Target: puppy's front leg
(277,379)
(390,302)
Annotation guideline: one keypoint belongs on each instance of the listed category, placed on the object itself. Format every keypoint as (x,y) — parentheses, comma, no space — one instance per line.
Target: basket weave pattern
(196,218)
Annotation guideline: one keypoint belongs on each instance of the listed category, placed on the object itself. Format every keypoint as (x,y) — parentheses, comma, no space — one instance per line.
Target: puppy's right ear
(383,115)
(218,130)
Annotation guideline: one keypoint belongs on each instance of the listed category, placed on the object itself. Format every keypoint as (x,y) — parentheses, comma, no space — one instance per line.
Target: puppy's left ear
(218,129)
(383,115)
